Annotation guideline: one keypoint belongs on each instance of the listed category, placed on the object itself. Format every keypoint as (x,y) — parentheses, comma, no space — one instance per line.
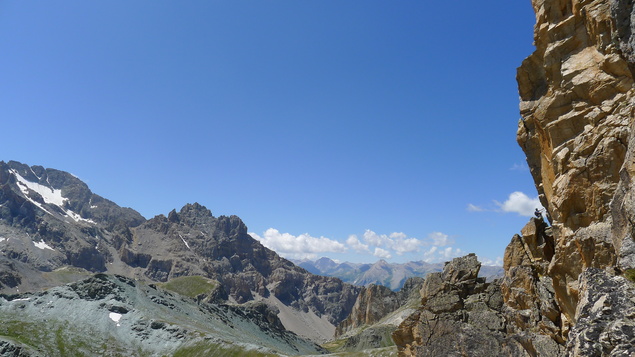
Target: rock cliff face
(577,112)
(374,302)
(564,291)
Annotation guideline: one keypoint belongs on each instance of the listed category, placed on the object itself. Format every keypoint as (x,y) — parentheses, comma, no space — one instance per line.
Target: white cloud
(298,247)
(475,208)
(406,245)
(398,242)
(356,245)
(519,167)
(371,244)
(520,203)
(375,239)
(486,261)
(382,253)
(429,255)
(438,255)
(449,253)
(439,239)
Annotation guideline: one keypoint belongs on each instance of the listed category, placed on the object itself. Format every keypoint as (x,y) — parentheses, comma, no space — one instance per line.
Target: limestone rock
(460,315)
(605,316)
(577,110)
(577,106)
(373,303)
(463,315)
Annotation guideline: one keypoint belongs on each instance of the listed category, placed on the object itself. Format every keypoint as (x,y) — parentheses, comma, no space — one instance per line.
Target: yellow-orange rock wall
(577,94)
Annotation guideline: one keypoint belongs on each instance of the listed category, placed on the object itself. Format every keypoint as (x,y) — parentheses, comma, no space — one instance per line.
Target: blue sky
(356,130)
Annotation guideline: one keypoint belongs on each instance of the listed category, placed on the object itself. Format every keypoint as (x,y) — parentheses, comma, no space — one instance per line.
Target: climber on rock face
(538,213)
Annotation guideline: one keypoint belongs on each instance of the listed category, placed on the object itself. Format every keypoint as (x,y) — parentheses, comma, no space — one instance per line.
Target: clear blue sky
(349,129)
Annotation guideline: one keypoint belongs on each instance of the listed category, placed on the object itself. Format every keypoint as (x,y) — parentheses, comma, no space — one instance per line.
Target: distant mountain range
(391,275)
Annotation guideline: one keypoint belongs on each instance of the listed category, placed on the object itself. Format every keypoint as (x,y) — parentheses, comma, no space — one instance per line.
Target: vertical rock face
(375,302)
(577,109)
(577,106)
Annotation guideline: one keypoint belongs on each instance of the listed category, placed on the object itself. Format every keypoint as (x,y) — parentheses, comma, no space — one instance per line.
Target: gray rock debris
(605,316)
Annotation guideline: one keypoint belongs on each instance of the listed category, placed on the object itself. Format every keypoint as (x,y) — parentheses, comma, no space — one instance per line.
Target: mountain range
(55,231)
(391,275)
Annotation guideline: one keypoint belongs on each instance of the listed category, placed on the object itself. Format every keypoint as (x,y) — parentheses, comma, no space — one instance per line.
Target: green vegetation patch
(375,352)
(335,345)
(66,275)
(56,338)
(630,274)
(209,349)
(191,286)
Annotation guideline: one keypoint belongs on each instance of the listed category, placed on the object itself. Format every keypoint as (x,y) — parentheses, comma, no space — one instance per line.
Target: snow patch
(78,218)
(22,299)
(183,239)
(42,245)
(24,188)
(49,194)
(115,317)
(38,177)
(2,239)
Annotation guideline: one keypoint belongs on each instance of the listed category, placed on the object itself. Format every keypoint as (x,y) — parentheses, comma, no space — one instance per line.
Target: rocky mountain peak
(325,263)
(195,210)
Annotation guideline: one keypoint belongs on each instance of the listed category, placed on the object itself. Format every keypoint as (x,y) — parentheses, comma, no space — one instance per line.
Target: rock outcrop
(577,112)
(463,315)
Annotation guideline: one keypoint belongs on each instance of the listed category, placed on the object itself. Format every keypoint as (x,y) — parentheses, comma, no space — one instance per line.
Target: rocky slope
(54,230)
(565,290)
(116,316)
